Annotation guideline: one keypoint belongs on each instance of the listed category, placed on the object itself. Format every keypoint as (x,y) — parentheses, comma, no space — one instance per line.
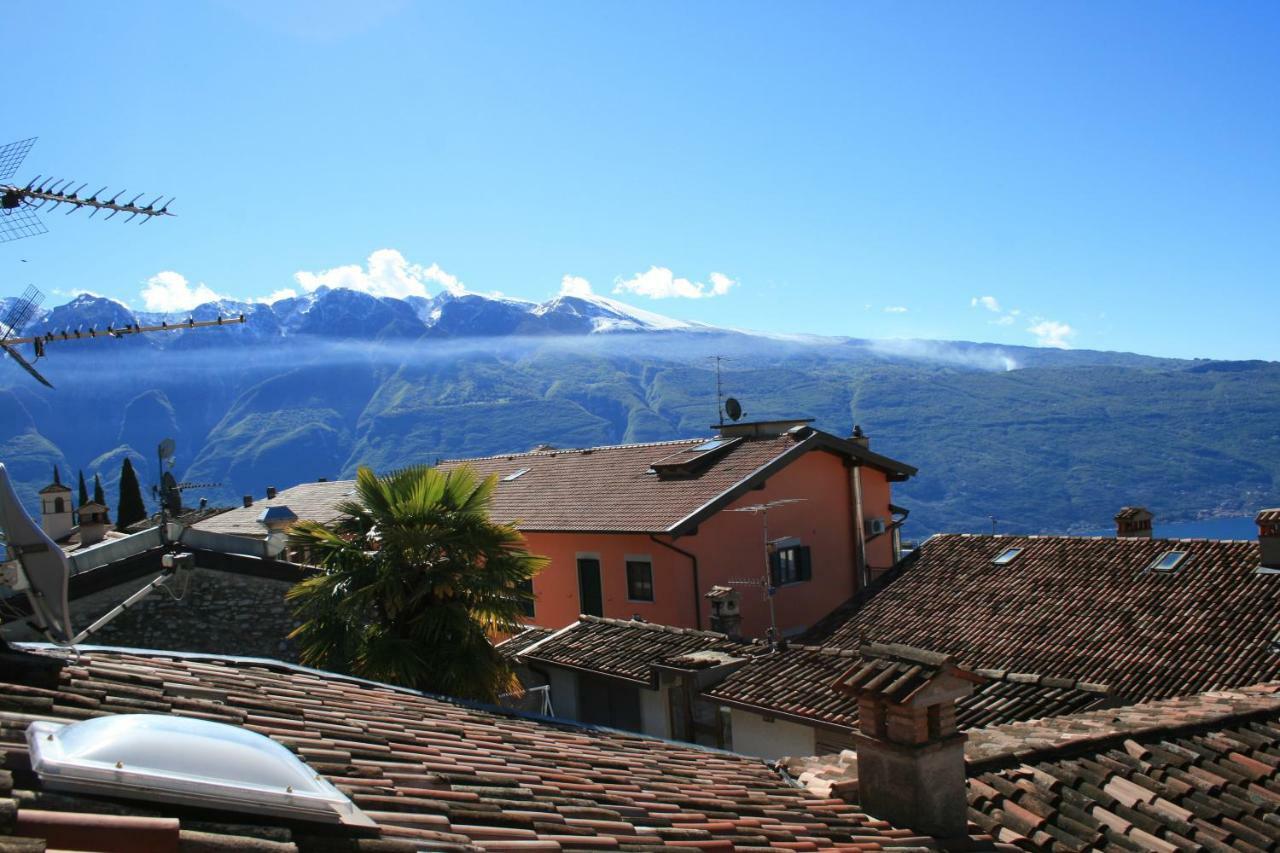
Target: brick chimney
(93,523)
(1133,522)
(726,617)
(911,769)
(1268,522)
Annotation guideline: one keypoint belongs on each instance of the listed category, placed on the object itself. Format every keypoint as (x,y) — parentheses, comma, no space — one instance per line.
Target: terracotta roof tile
(1197,772)
(443,775)
(1088,609)
(601,489)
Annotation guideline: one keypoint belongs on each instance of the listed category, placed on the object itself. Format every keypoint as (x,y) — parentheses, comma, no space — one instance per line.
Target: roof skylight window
(515,475)
(187,761)
(1006,556)
(713,444)
(1168,561)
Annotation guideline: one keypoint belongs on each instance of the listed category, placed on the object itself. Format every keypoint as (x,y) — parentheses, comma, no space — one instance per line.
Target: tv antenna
(19,203)
(24,307)
(36,565)
(765,582)
(731,406)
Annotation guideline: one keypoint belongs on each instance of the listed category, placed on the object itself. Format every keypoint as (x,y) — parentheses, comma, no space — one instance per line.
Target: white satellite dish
(44,564)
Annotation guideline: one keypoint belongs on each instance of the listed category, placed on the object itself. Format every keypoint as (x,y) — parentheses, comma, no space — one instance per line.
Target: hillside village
(373,499)
(729,648)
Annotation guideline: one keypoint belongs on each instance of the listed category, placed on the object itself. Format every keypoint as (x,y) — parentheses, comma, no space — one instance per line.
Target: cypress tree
(99,497)
(131,509)
(84,492)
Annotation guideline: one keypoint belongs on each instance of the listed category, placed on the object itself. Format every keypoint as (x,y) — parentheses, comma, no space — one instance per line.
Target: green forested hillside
(1058,443)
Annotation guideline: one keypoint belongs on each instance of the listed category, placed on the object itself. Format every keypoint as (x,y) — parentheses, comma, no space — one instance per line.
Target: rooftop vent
(248,500)
(187,761)
(271,492)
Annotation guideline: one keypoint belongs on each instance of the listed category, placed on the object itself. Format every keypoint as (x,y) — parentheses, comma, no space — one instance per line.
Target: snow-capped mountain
(342,313)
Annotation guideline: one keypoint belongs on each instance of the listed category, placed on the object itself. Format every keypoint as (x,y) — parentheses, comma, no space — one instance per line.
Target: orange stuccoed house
(648,530)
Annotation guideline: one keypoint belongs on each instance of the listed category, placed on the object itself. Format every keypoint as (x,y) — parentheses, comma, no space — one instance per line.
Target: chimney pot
(911,769)
(1268,522)
(859,437)
(1133,522)
(271,492)
(204,503)
(248,500)
(322,479)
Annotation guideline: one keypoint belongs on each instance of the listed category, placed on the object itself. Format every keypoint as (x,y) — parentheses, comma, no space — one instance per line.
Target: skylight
(1006,556)
(1168,561)
(516,475)
(186,761)
(713,444)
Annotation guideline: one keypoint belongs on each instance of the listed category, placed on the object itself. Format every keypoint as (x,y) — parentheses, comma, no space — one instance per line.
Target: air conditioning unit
(875,526)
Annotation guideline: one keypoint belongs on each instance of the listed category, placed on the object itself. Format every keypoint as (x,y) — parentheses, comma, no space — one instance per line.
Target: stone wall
(220,613)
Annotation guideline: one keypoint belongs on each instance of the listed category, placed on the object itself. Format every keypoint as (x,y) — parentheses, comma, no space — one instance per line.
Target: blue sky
(1098,175)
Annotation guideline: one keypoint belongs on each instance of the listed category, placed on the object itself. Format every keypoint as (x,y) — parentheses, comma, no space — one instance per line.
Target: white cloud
(575,285)
(1051,333)
(170,291)
(989,302)
(895,309)
(1006,320)
(387,273)
(661,283)
(282,293)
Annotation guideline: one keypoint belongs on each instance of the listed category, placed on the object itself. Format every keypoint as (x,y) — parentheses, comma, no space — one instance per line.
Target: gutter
(693,560)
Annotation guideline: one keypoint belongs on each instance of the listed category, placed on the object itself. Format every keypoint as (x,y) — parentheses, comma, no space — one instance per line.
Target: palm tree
(414,584)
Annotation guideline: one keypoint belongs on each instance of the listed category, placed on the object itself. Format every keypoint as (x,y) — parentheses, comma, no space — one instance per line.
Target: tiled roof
(798,682)
(1199,773)
(431,774)
(1086,609)
(625,648)
(311,501)
(601,489)
(795,682)
(513,646)
(1196,773)
(1268,516)
(1129,512)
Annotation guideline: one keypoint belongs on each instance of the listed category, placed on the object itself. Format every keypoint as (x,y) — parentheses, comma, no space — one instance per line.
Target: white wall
(564,692)
(655,717)
(770,741)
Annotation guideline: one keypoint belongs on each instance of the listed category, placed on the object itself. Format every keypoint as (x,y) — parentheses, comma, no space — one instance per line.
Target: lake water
(1241,527)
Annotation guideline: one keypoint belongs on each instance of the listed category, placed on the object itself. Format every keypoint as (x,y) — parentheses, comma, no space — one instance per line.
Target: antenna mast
(719,389)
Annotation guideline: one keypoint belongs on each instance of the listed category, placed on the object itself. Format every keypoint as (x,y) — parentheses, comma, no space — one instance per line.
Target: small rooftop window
(187,761)
(1168,561)
(515,475)
(713,444)
(1006,556)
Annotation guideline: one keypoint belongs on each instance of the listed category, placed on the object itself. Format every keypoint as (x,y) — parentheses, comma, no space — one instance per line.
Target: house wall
(728,546)
(752,735)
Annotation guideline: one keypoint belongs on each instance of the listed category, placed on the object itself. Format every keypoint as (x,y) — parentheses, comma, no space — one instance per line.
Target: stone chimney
(1133,522)
(1269,537)
(911,769)
(726,617)
(859,437)
(93,523)
(55,509)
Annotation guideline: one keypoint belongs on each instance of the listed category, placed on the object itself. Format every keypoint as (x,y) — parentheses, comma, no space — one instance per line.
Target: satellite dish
(45,566)
(733,408)
(166,448)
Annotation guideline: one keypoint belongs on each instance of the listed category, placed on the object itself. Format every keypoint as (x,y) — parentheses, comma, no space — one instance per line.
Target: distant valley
(1042,439)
